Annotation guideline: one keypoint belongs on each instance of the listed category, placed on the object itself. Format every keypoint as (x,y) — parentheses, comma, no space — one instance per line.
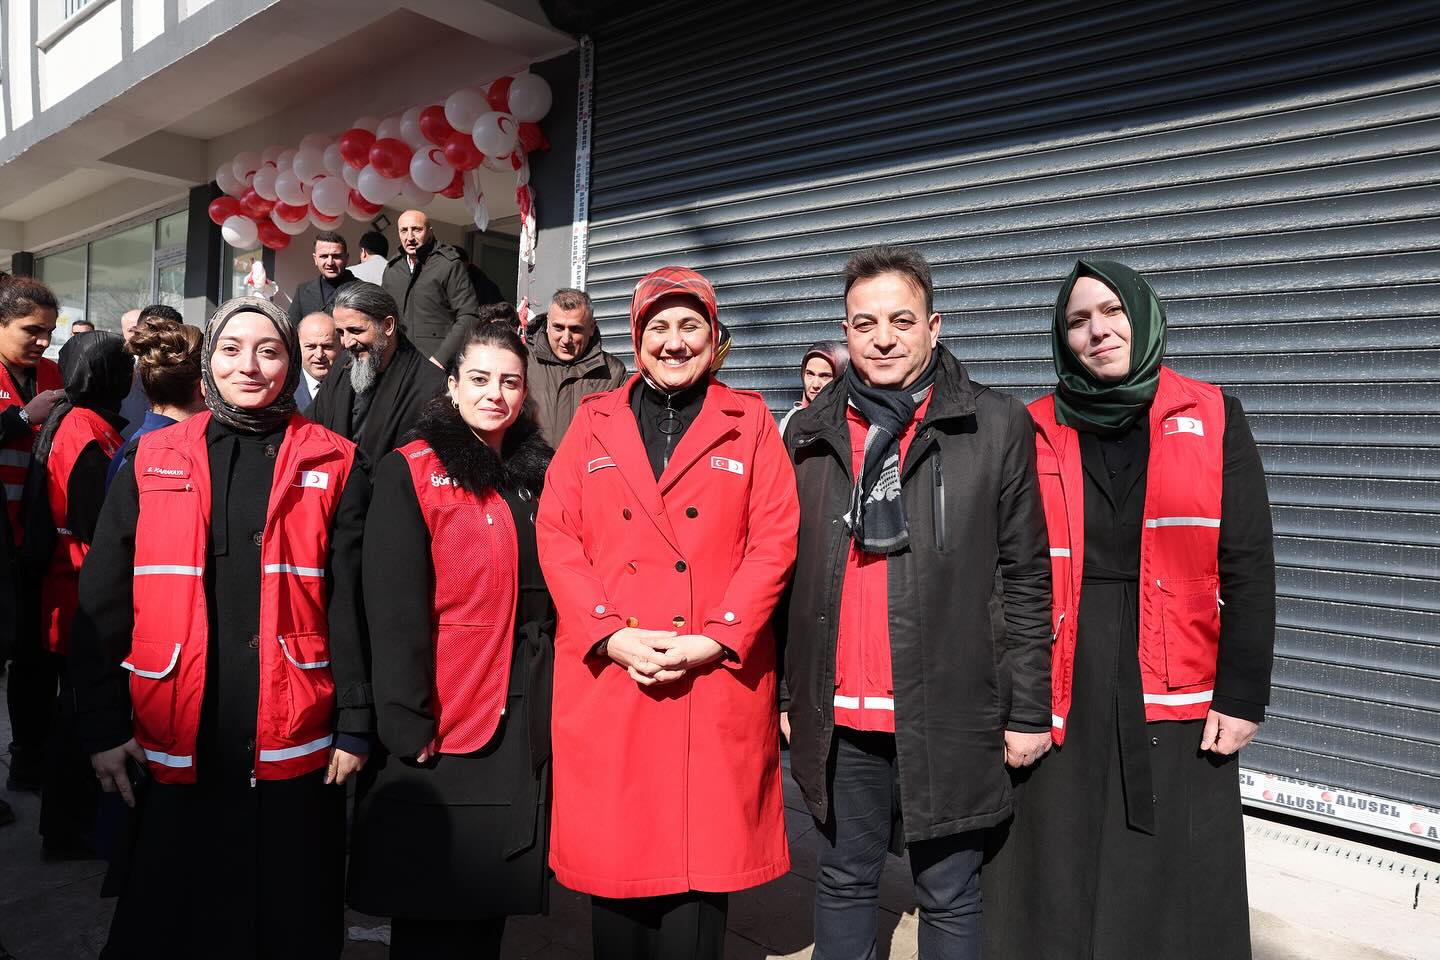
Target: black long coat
(460,836)
(958,639)
(219,868)
(436,299)
(408,383)
(1127,841)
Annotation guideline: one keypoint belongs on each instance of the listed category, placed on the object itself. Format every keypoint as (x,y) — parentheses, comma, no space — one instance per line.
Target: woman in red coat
(666,533)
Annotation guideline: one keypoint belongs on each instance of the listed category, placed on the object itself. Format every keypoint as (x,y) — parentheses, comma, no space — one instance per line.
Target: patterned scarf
(877,515)
(277,414)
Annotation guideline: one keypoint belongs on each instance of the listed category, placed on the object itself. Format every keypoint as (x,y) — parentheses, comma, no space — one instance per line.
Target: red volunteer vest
(15,455)
(1179,569)
(474,553)
(59,593)
(295,715)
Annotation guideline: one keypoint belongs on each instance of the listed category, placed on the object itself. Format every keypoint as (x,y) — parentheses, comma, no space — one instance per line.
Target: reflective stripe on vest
(167,662)
(1179,570)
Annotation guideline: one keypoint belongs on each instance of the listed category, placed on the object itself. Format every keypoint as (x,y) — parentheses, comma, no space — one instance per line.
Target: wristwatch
(24,417)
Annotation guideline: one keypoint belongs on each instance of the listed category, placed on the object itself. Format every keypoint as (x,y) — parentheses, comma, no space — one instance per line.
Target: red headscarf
(669,281)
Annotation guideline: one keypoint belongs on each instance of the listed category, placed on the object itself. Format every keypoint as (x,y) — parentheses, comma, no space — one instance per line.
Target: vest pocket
(152,689)
(1190,617)
(309,688)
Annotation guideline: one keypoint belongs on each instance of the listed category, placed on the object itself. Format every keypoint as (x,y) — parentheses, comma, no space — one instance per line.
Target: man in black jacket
(917,634)
(374,394)
(431,283)
(318,295)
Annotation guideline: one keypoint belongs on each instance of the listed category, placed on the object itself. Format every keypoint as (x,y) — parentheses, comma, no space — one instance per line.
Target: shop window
(121,275)
(237,266)
(64,273)
(170,259)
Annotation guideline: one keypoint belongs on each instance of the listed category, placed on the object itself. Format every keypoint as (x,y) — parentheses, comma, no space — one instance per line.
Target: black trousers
(34,680)
(425,938)
(854,844)
(682,926)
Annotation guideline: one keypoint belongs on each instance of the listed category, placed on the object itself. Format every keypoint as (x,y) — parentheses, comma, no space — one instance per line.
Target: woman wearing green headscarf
(1164,619)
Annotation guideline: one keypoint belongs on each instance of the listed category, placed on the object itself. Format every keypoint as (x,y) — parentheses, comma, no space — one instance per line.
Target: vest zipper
(938,495)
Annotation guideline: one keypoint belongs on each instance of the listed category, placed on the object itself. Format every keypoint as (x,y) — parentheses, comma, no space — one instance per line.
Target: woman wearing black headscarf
(223,585)
(59,507)
(1127,839)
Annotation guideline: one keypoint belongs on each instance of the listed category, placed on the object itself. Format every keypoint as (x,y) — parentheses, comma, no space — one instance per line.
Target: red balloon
(256,207)
(499,95)
(223,209)
(391,157)
(532,138)
(456,190)
(363,205)
(355,146)
(272,236)
(434,127)
(460,152)
(290,213)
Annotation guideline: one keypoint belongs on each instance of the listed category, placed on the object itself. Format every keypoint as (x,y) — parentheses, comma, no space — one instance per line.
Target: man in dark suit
(318,295)
(319,346)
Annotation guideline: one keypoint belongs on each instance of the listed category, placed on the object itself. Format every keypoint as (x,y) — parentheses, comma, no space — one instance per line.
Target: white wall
(84,53)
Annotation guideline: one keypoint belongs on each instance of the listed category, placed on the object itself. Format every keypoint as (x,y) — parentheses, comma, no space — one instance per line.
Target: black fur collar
(472,463)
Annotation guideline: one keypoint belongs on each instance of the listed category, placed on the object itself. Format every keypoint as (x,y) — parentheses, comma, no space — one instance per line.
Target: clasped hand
(660,656)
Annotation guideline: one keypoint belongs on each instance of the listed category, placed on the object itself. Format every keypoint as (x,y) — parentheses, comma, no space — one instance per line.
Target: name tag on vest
(313,478)
(1183,425)
(179,473)
(728,465)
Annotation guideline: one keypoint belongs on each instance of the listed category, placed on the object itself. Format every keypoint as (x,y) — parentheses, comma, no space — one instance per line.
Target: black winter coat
(969,602)
(436,300)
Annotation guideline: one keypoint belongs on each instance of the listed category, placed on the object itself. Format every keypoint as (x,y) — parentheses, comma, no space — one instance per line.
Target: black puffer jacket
(969,602)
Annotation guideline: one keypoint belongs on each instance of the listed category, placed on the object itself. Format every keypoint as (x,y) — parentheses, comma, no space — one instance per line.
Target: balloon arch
(427,151)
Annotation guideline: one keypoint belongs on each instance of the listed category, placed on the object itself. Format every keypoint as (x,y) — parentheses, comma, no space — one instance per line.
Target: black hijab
(1082,400)
(97,373)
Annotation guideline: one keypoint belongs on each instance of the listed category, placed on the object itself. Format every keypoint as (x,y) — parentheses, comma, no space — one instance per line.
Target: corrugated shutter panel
(1271,167)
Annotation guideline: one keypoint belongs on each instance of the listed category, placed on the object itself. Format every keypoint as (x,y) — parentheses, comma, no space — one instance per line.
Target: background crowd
(549,617)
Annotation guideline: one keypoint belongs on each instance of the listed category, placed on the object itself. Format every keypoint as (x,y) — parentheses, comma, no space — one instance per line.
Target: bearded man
(381,382)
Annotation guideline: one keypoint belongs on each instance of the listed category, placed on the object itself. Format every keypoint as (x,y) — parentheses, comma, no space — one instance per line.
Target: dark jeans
(425,938)
(682,926)
(855,841)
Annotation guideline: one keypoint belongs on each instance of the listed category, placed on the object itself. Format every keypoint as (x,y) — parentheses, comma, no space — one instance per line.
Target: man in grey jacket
(431,284)
(567,363)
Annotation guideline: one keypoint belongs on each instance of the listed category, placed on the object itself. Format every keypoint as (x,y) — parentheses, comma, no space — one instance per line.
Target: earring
(454,404)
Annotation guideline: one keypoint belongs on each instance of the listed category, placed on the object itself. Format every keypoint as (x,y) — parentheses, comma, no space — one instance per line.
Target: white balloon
(329,196)
(286,160)
(289,188)
(496,134)
(334,160)
(323,222)
(530,98)
(264,182)
(410,129)
(430,171)
(388,128)
(315,141)
(366,122)
(414,196)
(245,165)
(240,232)
(376,188)
(464,106)
(293,229)
(351,175)
(271,153)
(358,214)
(227,181)
(309,164)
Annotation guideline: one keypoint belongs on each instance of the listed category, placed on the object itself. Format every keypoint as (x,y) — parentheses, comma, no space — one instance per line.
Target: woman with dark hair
(667,533)
(824,362)
(451,828)
(223,583)
(60,507)
(1164,617)
(167,358)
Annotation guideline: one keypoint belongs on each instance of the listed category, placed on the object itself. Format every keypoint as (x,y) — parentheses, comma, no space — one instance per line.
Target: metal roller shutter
(1270,166)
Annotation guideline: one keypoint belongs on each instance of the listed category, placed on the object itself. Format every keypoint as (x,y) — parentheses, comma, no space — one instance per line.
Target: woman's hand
(343,764)
(110,769)
(644,655)
(1226,735)
(694,649)
(1023,749)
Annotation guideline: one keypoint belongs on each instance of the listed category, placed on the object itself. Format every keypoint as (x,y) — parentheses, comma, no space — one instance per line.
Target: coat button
(631,566)
(600,608)
(729,616)
(679,566)
(1154,741)
(625,513)
(691,512)
(255,642)
(257,538)
(270,450)
(677,621)
(250,744)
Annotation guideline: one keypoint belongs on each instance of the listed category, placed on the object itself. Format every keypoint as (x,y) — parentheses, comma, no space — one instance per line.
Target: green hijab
(1082,400)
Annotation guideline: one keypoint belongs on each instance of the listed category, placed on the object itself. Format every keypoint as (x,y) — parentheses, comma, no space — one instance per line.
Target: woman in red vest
(451,826)
(1127,838)
(30,386)
(667,533)
(59,510)
(218,657)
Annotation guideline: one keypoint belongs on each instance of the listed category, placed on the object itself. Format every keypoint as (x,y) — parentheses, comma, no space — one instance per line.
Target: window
(237,267)
(73,7)
(120,274)
(170,259)
(64,273)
